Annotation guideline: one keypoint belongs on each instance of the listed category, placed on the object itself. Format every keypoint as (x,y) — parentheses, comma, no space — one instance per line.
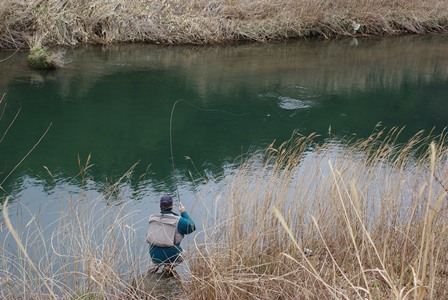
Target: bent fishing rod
(171,134)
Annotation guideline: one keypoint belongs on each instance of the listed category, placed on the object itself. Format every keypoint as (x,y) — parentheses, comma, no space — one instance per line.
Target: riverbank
(74,23)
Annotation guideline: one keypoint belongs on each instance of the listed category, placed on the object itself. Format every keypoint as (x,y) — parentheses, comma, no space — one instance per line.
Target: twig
(9,126)
(5,59)
(22,248)
(440,182)
(29,152)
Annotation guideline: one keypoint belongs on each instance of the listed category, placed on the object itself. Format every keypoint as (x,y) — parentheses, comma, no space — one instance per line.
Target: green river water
(115,102)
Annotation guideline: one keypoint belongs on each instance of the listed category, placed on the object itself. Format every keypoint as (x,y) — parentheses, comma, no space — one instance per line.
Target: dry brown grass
(62,22)
(89,252)
(86,250)
(374,213)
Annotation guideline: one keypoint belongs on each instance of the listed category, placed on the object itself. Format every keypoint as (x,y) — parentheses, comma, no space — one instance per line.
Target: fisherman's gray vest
(162,230)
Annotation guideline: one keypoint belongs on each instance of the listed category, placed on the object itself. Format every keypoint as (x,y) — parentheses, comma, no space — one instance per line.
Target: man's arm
(186,224)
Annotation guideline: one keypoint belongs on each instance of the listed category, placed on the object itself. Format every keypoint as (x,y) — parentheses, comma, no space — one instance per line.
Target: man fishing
(165,232)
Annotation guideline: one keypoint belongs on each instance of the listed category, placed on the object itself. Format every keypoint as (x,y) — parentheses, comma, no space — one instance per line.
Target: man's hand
(181,207)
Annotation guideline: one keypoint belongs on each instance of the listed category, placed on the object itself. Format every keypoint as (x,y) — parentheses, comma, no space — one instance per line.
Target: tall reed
(372,211)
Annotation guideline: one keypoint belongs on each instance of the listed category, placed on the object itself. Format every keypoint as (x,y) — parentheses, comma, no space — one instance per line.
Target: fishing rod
(171,133)
(171,148)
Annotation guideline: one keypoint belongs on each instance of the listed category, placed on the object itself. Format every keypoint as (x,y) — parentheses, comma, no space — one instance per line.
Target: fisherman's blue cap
(166,202)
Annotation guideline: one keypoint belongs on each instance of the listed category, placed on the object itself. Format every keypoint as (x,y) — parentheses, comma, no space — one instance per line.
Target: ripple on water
(292,103)
(294,97)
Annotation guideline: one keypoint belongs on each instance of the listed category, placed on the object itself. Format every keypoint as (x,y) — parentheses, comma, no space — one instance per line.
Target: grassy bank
(70,23)
(373,212)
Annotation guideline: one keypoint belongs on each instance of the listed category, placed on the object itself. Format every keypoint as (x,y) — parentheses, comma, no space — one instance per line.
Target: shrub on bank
(43,58)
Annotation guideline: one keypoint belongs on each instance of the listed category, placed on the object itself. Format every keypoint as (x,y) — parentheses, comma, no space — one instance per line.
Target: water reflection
(335,65)
(115,103)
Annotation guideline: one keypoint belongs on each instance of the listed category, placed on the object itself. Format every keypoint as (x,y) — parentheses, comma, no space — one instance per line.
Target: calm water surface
(115,102)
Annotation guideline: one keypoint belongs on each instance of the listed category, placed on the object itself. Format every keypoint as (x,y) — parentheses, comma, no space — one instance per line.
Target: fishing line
(171,133)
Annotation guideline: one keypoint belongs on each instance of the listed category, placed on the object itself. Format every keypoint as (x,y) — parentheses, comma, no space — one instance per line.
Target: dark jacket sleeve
(186,224)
